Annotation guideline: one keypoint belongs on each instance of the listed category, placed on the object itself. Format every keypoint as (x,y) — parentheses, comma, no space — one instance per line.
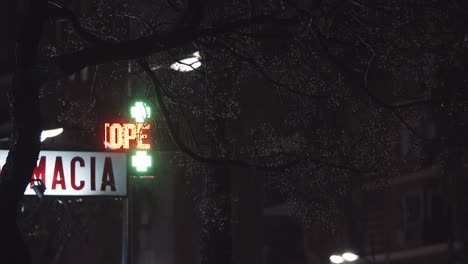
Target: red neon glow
(119,136)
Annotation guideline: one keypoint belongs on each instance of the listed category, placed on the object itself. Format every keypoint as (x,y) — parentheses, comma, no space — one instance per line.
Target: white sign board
(78,173)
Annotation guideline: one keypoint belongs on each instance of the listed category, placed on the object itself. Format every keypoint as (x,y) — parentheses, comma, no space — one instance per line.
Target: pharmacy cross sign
(140,112)
(141,161)
(132,135)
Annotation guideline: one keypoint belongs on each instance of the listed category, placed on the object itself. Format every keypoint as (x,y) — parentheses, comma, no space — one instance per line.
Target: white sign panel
(78,173)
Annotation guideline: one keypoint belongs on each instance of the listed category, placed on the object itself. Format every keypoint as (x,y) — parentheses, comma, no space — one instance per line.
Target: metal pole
(125,231)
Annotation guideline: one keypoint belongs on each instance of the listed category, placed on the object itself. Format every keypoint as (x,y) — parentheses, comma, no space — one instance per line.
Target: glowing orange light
(142,135)
(129,133)
(117,136)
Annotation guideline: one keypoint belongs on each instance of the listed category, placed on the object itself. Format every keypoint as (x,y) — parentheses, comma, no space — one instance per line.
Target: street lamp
(49,133)
(188,64)
(345,257)
(45,134)
(336,259)
(349,256)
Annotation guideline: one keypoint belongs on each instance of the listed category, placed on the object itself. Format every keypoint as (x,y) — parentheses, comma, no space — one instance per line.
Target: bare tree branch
(261,70)
(104,51)
(188,151)
(139,48)
(352,73)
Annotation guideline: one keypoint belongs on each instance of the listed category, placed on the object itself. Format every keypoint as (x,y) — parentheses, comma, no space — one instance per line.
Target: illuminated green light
(140,111)
(141,161)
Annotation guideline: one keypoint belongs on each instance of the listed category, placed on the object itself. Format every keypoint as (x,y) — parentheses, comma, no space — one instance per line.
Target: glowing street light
(50,133)
(345,257)
(336,259)
(349,256)
(188,64)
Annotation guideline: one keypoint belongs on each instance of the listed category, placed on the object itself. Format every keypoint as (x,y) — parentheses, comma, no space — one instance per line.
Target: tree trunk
(24,140)
(20,163)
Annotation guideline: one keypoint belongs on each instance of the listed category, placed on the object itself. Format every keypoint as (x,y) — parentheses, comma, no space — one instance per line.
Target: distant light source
(349,256)
(336,259)
(50,133)
(188,64)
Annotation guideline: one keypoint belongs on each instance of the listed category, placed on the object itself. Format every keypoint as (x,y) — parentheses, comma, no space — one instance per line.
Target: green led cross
(140,111)
(141,161)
